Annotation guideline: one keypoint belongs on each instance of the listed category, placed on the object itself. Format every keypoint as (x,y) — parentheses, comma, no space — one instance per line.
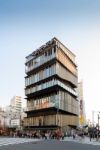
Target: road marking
(82,141)
(12,141)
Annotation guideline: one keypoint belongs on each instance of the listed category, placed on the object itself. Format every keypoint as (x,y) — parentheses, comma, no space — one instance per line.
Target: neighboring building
(11,112)
(82,115)
(16,103)
(14,119)
(2,114)
(15,123)
(3,120)
(50,83)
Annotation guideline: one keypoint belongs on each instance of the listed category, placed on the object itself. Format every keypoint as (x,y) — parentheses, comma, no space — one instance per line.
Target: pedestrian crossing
(4,141)
(83,141)
(88,142)
(12,141)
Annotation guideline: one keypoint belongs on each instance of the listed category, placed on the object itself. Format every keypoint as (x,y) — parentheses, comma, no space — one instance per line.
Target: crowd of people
(57,134)
(92,133)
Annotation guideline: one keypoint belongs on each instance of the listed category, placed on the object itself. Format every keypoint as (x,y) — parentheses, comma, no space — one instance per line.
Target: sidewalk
(85,140)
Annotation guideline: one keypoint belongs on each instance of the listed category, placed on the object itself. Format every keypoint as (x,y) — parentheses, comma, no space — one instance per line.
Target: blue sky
(27,24)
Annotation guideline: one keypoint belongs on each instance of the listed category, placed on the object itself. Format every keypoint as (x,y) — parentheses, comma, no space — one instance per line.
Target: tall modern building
(16,103)
(50,87)
(82,115)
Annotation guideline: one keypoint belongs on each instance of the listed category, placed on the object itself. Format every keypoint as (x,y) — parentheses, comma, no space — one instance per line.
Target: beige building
(82,115)
(16,103)
(50,83)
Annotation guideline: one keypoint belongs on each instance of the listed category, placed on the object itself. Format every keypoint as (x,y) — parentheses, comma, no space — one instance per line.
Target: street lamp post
(98,117)
(93,113)
(93,118)
(98,124)
(4,124)
(98,121)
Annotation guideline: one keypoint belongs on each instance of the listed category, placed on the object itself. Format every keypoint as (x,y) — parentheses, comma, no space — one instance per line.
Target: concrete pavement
(50,145)
(85,140)
(12,141)
(4,141)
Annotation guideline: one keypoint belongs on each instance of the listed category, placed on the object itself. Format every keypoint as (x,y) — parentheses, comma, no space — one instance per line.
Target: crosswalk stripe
(83,141)
(11,141)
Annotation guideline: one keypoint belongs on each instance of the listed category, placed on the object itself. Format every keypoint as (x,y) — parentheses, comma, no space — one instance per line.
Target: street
(49,145)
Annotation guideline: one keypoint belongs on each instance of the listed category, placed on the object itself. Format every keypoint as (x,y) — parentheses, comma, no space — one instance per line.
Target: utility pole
(98,127)
(93,113)
(98,122)
(93,118)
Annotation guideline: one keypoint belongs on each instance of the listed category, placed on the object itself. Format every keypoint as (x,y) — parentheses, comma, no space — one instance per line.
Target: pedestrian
(90,135)
(74,136)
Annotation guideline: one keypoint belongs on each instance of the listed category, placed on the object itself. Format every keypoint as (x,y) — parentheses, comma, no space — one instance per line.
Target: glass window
(54,49)
(47,72)
(45,53)
(48,52)
(25,81)
(50,71)
(35,77)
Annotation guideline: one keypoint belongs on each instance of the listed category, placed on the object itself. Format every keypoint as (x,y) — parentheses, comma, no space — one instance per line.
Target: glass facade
(43,102)
(39,60)
(40,75)
(50,83)
(61,100)
(41,121)
(48,71)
